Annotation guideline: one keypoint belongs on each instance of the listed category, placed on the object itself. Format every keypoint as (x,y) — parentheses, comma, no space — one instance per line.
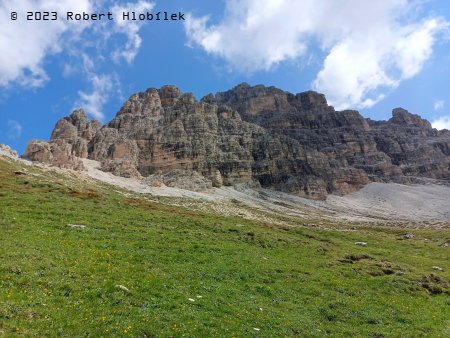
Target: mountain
(295,143)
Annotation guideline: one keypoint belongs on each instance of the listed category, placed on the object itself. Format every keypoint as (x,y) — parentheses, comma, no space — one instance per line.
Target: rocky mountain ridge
(255,135)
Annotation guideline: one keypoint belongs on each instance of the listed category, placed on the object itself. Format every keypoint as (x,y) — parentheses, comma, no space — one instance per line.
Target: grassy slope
(59,281)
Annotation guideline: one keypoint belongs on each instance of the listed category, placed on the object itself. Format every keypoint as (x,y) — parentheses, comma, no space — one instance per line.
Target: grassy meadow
(146,269)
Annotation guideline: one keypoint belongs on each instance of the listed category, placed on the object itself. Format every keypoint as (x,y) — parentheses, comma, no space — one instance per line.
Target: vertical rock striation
(294,143)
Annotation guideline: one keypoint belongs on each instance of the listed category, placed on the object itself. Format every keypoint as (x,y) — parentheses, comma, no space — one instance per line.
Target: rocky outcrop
(294,143)
(57,153)
(358,150)
(69,142)
(7,151)
(77,131)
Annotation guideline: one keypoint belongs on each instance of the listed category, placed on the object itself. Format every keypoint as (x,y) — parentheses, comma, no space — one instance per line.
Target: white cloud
(130,29)
(14,129)
(102,86)
(360,68)
(442,122)
(25,44)
(92,102)
(369,45)
(439,104)
(254,34)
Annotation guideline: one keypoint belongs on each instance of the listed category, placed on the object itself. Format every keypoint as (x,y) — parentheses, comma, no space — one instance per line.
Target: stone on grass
(123,288)
(81,226)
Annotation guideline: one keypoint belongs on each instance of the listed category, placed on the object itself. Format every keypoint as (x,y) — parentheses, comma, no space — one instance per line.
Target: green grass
(62,282)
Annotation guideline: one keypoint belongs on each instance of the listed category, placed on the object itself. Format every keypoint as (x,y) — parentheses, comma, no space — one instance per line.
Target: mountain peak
(402,116)
(293,143)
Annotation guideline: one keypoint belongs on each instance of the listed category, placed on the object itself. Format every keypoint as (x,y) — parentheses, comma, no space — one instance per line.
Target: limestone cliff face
(294,143)
(68,142)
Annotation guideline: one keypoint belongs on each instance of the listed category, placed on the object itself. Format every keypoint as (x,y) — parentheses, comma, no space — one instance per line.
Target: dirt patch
(355,258)
(435,284)
(141,204)
(89,194)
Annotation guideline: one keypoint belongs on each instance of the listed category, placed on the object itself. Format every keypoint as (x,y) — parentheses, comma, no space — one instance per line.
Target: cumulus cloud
(442,122)
(370,46)
(14,129)
(358,68)
(25,44)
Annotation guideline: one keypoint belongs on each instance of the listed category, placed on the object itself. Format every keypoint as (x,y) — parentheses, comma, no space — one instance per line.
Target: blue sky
(362,54)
